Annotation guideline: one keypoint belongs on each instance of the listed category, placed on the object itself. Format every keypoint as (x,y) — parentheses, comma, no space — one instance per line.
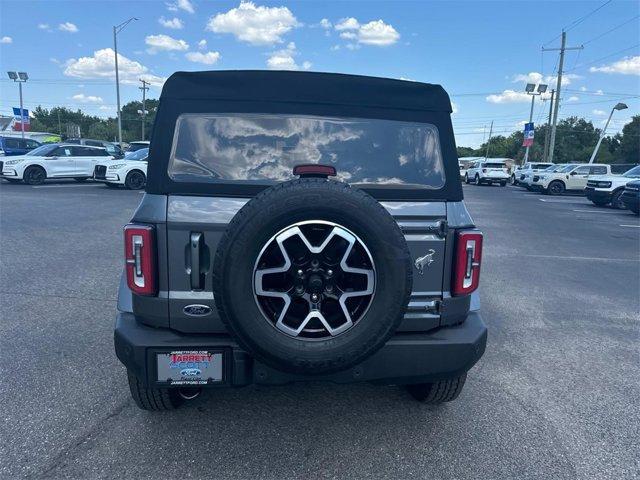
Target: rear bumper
(406,358)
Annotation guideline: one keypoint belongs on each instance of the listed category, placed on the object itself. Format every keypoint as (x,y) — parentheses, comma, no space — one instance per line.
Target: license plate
(189,367)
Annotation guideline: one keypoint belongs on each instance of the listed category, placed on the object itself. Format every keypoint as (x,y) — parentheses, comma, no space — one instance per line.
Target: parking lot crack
(62,456)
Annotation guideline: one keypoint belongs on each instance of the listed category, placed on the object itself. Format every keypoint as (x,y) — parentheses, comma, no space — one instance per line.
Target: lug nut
(300,273)
(314,298)
(329,272)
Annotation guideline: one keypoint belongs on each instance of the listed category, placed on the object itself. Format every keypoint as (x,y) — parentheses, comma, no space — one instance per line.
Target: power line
(611,30)
(603,58)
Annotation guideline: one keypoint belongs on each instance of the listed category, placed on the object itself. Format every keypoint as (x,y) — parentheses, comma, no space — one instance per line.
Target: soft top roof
(306,87)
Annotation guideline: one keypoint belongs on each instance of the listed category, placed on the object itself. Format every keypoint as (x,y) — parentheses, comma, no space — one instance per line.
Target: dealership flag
(19,119)
(528,134)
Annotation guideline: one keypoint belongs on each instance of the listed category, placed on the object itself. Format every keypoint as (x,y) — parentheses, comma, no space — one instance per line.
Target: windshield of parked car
(263,148)
(42,151)
(633,173)
(568,168)
(141,154)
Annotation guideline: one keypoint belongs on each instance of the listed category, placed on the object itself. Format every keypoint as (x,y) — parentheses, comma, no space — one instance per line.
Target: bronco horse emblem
(425,260)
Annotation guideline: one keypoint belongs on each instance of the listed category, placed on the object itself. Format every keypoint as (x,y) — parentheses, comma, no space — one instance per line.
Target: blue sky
(481,52)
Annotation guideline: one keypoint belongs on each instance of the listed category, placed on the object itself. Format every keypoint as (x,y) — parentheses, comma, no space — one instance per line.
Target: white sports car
(130,171)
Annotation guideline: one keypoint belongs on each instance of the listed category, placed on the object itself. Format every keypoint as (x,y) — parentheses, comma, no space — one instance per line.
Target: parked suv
(489,172)
(362,269)
(573,178)
(130,171)
(11,146)
(112,148)
(631,196)
(524,175)
(607,189)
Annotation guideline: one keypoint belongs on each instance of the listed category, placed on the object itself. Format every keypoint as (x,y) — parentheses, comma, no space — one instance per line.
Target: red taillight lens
(140,258)
(466,276)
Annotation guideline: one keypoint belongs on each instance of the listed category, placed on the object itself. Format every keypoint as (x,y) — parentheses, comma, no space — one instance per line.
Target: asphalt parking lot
(555,395)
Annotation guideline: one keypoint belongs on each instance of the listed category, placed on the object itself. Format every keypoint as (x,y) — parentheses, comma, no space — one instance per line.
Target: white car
(572,178)
(523,176)
(534,183)
(489,171)
(607,189)
(130,171)
(56,160)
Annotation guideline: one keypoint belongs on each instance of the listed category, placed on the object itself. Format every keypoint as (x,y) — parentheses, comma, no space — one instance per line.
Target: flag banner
(19,120)
(528,134)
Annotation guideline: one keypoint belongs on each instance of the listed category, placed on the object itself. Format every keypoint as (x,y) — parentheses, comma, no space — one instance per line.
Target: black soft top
(298,93)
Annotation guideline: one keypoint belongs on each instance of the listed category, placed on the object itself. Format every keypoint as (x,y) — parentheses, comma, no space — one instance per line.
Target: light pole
(20,77)
(116,30)
(619,106)
(531,90)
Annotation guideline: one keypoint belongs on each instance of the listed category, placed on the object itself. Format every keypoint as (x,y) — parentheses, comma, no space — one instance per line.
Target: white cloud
(165,43)
(573,99)
(375,32)
(185,5)
(6,40)
(335,48)
(511,96)
(537,78)
(67,27)
(256,25)
(202,44)
(285,59)
(599,92)
(598,112)
(174,23)
(82,98)
(626,66)
(44,26)
(207,58)
(325,23)
(583,89)
(100,65)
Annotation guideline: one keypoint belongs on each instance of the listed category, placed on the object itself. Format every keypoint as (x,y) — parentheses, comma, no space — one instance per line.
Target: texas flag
(528,134)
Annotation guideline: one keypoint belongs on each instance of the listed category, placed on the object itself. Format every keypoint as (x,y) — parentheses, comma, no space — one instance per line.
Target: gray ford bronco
(299,226)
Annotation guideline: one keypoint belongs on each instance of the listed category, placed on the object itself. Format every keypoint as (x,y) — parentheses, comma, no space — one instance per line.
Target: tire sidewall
(239,308)
(28,175)
(131,175)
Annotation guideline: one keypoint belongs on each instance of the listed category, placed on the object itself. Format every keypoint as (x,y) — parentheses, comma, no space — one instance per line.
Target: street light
(530,88)
(618,106)
(20,78)
(116,30)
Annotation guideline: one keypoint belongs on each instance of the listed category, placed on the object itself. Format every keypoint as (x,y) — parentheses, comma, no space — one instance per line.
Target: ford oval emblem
(197,310)
(190,372)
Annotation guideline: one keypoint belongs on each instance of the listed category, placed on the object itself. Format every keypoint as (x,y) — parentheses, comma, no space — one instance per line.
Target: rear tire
(512,180)
(466,179)
(153,399)
(556,188)
(34,175)
(477,179)
(437,392)
(135,180)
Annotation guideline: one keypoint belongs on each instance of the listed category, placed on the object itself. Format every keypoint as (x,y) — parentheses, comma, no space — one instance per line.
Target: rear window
(264,148)
(494,165)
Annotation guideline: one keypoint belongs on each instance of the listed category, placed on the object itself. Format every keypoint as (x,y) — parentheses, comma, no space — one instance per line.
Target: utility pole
(547,137)
(59,124)
(116,30)
(486,152)
(144,89)
(562,49)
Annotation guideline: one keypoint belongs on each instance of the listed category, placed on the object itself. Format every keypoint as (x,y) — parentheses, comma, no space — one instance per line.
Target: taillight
(140,258)
(467,262)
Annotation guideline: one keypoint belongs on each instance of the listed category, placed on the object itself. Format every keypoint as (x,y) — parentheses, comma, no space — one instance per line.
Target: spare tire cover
(312,276)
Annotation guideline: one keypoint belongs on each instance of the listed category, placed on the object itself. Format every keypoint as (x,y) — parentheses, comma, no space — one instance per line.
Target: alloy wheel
(314,280)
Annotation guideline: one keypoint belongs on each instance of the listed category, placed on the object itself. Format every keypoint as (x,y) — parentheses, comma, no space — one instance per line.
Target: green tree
(630,141)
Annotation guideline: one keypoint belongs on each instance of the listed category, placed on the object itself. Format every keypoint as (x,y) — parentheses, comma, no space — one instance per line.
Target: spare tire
(312,276)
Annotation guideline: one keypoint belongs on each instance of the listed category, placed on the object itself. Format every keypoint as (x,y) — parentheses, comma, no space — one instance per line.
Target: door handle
(195,247)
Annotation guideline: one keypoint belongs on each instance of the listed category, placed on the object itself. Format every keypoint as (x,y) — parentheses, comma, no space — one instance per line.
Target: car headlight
(116,166)
(13,162)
